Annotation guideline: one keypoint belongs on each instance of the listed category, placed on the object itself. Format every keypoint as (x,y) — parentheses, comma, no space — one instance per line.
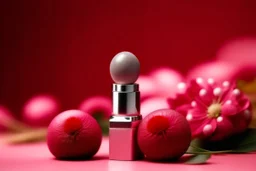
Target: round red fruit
(164,135)
(74,134)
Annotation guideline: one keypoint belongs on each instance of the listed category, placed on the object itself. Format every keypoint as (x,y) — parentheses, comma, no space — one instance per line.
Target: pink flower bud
(40,110)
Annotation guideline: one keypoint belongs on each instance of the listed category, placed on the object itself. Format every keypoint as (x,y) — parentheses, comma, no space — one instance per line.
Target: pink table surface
(37,157)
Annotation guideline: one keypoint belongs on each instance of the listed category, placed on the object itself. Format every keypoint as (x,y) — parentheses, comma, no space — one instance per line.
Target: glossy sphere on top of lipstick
(164,135)
(124,68)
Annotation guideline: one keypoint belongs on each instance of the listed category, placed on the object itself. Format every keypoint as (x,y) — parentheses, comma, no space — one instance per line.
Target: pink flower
(208,70)
(165,80)
(98,106)
(6,118)
(147,87)
(151,104)
(240,51)
(39,110)
(160,82)
(214,111)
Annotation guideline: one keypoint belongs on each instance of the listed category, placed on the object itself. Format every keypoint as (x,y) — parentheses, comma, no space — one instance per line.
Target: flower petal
(223,130)
(205,96)
(183,109)
(198,113)
(228,109)
(193,88)
(202,128)
(244,103)
(178,100)
(227,91)
(240,121)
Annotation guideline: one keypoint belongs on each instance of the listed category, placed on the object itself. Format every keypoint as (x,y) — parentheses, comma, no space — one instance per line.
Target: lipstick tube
(124,122)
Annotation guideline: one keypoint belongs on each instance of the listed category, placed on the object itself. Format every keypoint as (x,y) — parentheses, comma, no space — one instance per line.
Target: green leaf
(196,149)
(198,159)
(104,124)
(245,149)
(196,145)
(247,143)
(241,143)
(196,142)
(98,115)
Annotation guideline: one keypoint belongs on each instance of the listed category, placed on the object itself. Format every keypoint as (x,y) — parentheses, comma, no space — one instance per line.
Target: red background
(65,47)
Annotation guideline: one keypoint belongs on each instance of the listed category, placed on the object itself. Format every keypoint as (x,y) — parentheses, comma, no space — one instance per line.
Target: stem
(199,148)
(14,125)
(26,137)
(209,152)
(204,151)
(21,133)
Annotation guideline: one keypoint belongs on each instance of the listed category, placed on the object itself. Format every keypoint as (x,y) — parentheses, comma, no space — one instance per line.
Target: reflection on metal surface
(126,99)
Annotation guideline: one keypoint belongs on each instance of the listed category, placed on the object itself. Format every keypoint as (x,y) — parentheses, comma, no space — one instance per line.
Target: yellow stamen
(214,110)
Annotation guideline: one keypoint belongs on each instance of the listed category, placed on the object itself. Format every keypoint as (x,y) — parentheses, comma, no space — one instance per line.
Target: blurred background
(64,47)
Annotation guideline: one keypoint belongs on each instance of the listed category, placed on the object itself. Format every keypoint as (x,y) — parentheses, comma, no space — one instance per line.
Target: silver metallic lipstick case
(124,123)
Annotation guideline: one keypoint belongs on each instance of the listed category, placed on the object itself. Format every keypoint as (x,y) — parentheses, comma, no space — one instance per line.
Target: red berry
(164,135)
(74,134)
